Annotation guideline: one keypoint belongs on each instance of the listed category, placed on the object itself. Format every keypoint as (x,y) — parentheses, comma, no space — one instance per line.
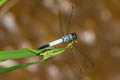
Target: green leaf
(2,2)
(4,70)
(15,54)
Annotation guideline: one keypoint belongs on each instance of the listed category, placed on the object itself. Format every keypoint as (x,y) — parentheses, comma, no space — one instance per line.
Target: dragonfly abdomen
(56,42)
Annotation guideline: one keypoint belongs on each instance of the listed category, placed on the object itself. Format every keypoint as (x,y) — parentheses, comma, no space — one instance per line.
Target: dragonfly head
(69,37)
(74,35)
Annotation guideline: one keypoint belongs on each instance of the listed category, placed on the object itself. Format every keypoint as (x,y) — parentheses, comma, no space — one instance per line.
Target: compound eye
(74,35)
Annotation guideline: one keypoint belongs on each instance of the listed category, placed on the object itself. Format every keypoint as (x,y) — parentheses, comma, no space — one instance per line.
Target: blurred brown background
(32,23)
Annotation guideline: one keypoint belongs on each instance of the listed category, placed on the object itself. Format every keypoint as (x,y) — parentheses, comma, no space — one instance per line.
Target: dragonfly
(82,61)
(66,38)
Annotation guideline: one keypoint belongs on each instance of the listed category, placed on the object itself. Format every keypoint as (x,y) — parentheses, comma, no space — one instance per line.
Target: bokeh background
(32,23)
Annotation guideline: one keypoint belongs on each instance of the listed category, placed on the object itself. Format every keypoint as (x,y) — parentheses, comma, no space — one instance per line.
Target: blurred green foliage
(2,2)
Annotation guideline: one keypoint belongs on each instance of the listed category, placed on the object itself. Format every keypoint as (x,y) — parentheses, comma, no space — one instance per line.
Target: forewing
(69,21)
(61,32)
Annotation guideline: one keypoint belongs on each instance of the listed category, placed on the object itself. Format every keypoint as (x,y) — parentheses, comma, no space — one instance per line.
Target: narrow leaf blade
(15,54)
(4,70)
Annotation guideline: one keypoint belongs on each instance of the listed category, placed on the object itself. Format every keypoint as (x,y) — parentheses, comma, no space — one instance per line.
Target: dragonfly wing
(61,32)
(84,61)
(69,21)
(78,69)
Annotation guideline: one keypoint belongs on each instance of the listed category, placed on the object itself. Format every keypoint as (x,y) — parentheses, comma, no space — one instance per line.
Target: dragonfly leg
(53,47)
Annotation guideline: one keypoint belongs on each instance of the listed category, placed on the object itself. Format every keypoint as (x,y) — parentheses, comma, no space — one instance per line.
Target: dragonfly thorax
(69,37)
